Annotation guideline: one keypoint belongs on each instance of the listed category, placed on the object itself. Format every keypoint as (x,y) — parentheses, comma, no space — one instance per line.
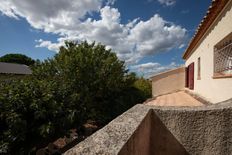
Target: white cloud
(7,9)
(181,46)
(151,68)
(48,44)
(111,2)
(167,2)
(131,41)
(50,15)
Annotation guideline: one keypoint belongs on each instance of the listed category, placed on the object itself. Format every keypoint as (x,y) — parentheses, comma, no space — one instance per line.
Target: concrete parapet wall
(168,82)
(139,142)
(112,138)
(164,130)
(201,130)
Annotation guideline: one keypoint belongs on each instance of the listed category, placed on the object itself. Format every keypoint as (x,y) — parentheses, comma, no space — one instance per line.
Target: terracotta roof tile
(213,11)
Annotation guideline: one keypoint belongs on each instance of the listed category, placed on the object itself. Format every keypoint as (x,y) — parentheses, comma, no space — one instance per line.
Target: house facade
(208,58)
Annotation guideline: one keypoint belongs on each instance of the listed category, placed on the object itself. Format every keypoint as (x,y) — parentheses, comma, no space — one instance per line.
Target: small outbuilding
(11,70)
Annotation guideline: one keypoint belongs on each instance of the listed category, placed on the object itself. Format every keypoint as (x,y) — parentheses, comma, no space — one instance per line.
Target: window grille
(223,58)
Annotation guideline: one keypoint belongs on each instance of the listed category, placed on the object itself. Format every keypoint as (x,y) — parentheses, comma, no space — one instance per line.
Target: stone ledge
(110,139)
(191,130)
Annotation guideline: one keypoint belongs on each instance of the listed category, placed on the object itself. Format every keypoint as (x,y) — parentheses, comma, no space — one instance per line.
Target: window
(223,58)
(199,68)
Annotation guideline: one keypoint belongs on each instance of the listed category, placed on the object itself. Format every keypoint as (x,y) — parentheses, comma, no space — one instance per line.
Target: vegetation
(83,82)
(17,58)
(144,87)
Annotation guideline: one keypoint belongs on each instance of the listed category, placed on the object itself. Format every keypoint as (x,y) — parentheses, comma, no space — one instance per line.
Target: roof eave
(214,10)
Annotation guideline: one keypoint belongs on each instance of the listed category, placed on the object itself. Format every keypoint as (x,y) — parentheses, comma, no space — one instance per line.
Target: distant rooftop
(11,68)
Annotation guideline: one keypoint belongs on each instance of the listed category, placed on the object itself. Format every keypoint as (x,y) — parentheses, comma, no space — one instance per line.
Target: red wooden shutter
(191,76)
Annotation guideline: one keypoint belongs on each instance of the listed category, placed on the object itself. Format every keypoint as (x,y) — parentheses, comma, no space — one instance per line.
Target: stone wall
(168,82)
(164,130)
(113,137)
(204,130)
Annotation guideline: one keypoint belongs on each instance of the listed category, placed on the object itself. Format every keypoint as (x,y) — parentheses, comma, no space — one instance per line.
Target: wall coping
(172,71)
(112,138)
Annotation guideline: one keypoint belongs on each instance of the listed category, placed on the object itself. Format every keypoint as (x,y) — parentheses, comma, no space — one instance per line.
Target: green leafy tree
(93,73)
(17,58)
(82,82)
(34,113)
(144,86)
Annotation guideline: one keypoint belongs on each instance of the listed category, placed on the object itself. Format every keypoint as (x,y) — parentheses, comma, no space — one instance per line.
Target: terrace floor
(179,98)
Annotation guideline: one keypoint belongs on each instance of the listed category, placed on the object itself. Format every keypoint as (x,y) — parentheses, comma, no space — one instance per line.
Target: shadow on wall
(152,137)
(163,141)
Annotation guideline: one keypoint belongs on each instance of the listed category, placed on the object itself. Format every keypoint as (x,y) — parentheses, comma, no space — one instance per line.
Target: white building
(208,58)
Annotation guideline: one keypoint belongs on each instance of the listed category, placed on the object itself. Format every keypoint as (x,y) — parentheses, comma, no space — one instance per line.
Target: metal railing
(223,58)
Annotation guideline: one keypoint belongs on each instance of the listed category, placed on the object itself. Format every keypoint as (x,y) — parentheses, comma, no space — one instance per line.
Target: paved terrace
(180,98)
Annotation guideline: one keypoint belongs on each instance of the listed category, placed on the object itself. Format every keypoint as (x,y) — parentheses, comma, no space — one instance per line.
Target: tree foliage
(17,58)
(83,81)
(144,86)
(32,114)
(93,73)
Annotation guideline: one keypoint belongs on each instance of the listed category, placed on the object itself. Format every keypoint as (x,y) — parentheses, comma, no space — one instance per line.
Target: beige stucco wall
(168,82)
(214,90)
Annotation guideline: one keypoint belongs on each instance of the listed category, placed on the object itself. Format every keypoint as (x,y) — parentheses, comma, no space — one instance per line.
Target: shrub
(144,86)
(90,71)
(17,58)
(81,82)
(34,113)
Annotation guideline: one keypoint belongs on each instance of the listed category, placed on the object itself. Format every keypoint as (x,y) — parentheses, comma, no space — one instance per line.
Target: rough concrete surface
(111,139)
(206,131)
(203,130)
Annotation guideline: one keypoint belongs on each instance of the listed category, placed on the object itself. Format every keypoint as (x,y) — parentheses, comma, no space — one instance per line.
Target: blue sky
(149,35)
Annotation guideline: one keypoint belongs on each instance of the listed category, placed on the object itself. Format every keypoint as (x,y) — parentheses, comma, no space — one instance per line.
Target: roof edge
(213,12)
(167,71)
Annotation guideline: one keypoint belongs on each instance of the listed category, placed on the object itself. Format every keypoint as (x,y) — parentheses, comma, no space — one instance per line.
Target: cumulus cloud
(48,44)
(167,2)
(72,20)
(7,9)
(151,68)
(52,15)
(110,2)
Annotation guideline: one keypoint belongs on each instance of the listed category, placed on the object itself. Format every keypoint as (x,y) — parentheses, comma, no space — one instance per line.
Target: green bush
(34,113)
(17,58)
(81,82)
(144,87)
(91,72)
